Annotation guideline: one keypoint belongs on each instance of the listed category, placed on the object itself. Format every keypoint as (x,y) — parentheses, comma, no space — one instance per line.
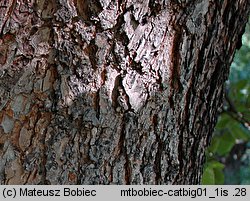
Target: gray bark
(112,92)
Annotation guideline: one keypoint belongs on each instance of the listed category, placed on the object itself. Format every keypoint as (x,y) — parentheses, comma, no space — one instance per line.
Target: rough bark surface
(112,92)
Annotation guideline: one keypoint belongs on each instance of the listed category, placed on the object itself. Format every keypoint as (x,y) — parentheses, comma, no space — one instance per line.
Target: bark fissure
(9,10)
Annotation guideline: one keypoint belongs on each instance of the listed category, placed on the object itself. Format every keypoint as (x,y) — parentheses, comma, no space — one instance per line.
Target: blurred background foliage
(228,157)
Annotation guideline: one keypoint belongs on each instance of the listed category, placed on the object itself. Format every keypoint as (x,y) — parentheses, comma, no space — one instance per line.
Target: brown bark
(112,92)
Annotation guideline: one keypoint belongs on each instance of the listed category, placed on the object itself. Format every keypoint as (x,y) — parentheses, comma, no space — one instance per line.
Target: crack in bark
(157,162)
(8,14)
(122,150)
(91,51)
(176,58)
(181,158)
(127,169)
(174,77)
(115,92)
(97,103)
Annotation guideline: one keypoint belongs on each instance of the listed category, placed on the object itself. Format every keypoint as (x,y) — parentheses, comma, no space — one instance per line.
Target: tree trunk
(112,92)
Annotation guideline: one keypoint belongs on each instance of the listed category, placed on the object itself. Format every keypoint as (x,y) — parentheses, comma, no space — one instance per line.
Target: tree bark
(112,92)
